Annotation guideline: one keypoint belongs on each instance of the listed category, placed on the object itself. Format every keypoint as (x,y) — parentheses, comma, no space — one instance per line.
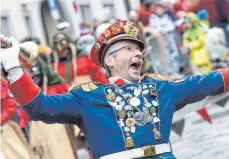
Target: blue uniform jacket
(89,106)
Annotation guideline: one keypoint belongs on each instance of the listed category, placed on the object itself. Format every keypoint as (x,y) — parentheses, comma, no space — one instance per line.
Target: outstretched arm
(196,88)
(50,109)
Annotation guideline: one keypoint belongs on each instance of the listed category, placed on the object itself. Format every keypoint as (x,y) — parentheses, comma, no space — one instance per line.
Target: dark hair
(66,37)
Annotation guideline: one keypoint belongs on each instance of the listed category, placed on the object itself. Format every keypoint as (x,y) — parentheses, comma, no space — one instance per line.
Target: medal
(156,119)
(128,96)
(126,129)
(137,92)
(152,110)
(148,105)
(129,142)
(118,107)
(144,86)
(130,114)
(155,103)
(118,99)
(135,101)
(121,123)
(149,118)
(111,96)
(130,122)
(133,129)
(128,107)
(145,110)
(122,103)
(157,134)
(145,91)
(140,118)
(122,114)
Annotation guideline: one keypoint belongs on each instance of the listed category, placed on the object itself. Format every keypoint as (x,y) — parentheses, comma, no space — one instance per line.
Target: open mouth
(136,66)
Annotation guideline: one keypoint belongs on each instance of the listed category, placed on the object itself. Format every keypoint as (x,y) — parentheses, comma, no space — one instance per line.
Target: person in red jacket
(73,68)
(9,105)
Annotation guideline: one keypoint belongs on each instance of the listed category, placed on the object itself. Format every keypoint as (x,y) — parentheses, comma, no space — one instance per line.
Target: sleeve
(64,108)
(97,74)
(9,109)
(196,88)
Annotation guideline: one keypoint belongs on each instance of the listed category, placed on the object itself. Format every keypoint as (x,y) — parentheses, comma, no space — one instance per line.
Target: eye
(129,48)
(138,49)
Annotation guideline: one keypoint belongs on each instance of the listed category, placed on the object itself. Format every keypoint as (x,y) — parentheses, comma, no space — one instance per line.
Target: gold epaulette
(155,77)
(87,87)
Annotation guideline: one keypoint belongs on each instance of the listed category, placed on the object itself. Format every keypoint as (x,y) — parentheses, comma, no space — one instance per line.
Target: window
(109,10)
(5,26)
(28,21)
(86,13)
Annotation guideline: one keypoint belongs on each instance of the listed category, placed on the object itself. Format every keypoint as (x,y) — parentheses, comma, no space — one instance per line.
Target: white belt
(145,151)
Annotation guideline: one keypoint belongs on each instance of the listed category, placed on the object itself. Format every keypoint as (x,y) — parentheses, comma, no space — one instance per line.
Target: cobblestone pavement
(201,140)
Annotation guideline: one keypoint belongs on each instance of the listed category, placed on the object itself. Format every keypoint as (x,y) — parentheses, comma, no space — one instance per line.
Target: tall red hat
(121,30)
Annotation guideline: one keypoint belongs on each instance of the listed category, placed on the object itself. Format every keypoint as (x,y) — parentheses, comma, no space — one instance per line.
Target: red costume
(8,103)
(84,67)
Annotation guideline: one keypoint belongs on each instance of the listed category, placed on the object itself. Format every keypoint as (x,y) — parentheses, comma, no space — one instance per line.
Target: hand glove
(9,57)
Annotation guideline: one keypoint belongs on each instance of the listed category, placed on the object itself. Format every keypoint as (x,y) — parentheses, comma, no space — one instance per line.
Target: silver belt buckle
(149,151)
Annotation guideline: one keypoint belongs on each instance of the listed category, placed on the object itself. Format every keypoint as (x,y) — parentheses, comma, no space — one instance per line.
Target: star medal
(140,118)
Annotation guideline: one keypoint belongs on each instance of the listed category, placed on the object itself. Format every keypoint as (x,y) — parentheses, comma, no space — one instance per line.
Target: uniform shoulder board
(156,77)
(87,87)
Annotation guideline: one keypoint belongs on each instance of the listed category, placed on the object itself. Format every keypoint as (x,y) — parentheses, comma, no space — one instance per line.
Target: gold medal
(130,122)
(111,96)
(129,142)
(152,110)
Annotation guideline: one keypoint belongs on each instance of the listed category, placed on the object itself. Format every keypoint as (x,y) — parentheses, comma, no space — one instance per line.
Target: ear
(109,61)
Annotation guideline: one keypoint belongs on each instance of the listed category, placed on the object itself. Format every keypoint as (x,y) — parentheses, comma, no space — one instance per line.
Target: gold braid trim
(155,77)
(87,87)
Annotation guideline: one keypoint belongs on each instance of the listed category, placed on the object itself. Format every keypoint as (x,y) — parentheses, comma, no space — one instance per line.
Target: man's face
(128,61)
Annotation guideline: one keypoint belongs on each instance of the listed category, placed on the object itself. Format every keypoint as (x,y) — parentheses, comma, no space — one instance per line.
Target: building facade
(39,18)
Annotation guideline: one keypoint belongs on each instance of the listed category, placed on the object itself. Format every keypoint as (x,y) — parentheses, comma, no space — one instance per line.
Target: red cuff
(225,74)
(24,89)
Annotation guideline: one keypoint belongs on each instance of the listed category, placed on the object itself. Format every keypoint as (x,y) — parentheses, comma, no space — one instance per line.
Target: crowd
(181,39)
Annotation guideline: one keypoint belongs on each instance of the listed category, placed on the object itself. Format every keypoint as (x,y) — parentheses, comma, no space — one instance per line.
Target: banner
(54,11)
(222,102)
(178,127)
(204,114)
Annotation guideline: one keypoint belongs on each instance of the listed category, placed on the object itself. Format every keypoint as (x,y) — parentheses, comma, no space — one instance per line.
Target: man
(72,68)
(129,118)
